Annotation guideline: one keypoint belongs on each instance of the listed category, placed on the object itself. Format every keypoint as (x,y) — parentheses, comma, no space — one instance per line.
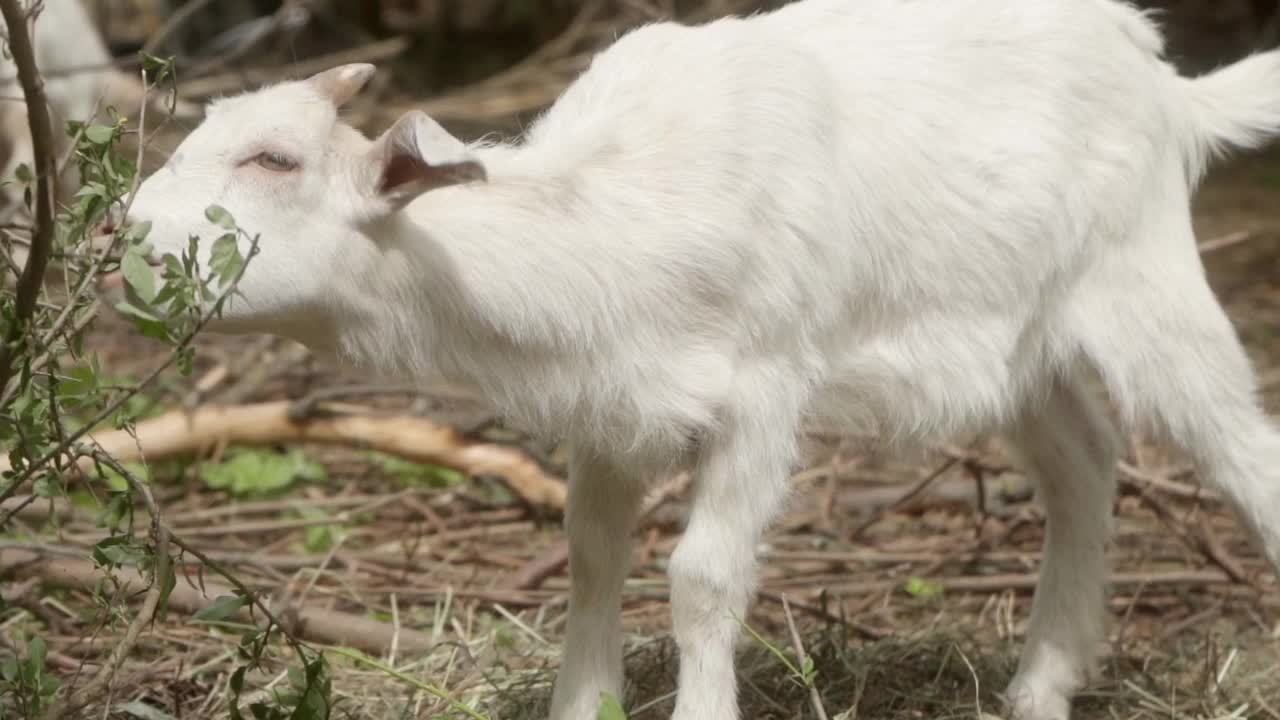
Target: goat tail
(1237,106)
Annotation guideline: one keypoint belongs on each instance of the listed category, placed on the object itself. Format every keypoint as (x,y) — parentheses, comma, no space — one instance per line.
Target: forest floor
(910,608)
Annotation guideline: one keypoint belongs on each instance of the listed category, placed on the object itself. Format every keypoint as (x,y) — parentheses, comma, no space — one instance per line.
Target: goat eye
(276,162)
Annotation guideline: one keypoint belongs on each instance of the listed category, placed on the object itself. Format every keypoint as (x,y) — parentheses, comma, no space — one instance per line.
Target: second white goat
(919,218)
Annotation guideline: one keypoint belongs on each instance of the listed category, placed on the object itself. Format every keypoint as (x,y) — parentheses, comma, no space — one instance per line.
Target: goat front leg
(742,483)
(599,518)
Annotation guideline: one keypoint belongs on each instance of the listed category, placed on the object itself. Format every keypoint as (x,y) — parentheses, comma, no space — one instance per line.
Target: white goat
(918,217)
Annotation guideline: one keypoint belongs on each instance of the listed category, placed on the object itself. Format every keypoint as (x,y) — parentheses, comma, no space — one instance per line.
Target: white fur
(919,217)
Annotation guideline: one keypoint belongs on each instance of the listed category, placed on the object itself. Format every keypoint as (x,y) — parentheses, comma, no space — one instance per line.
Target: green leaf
(99,134)
(23,173)
(809,670)
(170,581)
(117,482)
(222,608)
(318,538)
(172,266)
(259,472)
(225,260)
(218,215)
(186,361)
(418,474)
(115,511)
(236,685)
(37,650)
(9,668)
(159,68)
(136,312)
(924,589)
(610,708)
(139,275)
(313,702)
(79,382)
(48,487)
(144,320)
(117,551)
(138,233)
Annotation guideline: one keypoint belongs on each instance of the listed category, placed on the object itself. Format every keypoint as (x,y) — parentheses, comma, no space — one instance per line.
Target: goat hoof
(1028,701)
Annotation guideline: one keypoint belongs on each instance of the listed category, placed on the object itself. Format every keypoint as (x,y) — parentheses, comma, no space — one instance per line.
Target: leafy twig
(119,402)
(160,580)
(806,663)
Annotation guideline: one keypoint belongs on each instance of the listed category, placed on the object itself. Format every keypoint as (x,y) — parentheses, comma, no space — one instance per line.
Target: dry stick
(159,576)
(32,279)
(1218,553)
(814,697)
(1177,489)
(313,624)
(408,436)
(1207,544)
(907,496)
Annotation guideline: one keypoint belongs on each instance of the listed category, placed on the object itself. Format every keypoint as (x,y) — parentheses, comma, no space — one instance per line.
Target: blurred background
(450,44)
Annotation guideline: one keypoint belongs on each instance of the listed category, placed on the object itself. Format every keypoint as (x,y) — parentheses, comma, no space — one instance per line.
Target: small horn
(341,83)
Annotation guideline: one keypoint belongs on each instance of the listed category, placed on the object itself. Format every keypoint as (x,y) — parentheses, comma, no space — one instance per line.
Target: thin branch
(906,497)
(108,253)
(41,127)
(159,580)
(815,698)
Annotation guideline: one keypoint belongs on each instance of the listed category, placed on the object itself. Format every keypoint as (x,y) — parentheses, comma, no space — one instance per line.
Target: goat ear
(341,83)
(416,155)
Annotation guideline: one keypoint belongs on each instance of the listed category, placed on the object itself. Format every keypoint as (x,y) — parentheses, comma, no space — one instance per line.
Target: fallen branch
(330,627)
(408,436)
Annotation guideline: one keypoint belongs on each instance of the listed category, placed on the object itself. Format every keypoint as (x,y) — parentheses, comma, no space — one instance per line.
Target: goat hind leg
(1068,446)
(1169,355)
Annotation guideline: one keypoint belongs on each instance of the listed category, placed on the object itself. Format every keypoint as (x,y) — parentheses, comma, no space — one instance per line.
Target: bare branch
(29,284)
